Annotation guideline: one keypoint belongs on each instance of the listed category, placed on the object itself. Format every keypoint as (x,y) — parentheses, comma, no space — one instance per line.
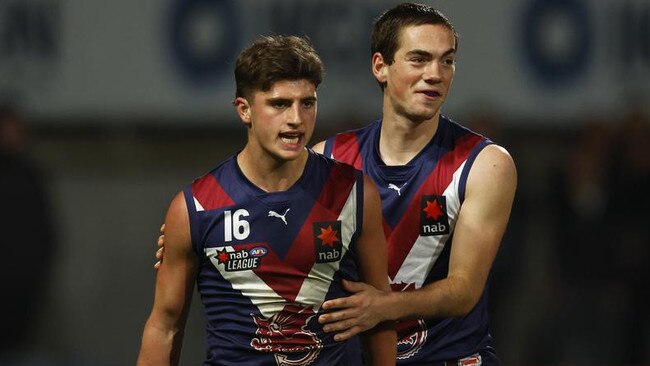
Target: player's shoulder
(494,161)
(494,153)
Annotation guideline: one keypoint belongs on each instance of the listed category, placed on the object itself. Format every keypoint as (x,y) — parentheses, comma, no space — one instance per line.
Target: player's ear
(243,108)
(379,68)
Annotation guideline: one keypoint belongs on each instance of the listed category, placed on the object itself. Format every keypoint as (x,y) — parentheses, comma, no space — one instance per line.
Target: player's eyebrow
(421,53)
(282,100)
(427,54)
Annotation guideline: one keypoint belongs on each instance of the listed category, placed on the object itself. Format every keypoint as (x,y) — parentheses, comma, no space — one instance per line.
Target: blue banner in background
(120,61)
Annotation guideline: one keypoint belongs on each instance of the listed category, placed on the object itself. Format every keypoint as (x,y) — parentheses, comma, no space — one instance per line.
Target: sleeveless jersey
(420,204)
(269,260)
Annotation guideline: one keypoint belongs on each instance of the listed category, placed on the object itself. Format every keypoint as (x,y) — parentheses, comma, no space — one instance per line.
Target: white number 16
(234,224)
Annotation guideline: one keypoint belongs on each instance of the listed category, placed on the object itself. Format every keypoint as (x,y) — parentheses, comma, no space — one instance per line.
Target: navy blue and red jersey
(420,205)
(269,261)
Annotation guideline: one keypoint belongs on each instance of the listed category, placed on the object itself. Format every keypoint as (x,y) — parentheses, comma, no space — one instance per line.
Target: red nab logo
(327,239)
(433,216)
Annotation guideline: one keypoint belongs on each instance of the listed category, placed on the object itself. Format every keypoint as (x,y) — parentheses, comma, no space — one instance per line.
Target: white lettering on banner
(186,55)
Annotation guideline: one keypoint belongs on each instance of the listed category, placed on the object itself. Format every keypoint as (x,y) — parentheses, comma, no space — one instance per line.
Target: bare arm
(380,342)
(319,147)
(481,224)
(163,332)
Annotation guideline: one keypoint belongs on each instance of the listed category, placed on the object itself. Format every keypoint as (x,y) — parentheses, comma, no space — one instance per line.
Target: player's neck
(402,139)
(269,173)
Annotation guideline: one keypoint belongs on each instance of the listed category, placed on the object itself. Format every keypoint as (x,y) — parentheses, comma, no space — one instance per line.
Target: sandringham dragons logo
(286,335)
(411,334)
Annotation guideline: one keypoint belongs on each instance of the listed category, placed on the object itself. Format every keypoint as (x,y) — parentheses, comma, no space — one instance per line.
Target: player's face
(282,119)
(419,79)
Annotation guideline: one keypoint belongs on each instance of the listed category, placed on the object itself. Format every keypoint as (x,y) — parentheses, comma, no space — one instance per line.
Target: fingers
(345,329)
(161,241)
(352,286)
(159,257)
(344,336)
(161,247)
(335,304)
(337,317)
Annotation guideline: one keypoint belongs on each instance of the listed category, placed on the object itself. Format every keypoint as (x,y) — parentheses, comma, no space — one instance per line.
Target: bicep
(371,244)
(483,216)
(177,273)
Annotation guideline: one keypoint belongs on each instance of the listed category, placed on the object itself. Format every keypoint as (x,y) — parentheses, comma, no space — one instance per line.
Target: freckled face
(419,79)
(281,120)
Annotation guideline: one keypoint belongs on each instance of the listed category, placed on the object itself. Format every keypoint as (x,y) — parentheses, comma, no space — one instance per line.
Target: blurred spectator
(631,236)
(601,246)
(26,238)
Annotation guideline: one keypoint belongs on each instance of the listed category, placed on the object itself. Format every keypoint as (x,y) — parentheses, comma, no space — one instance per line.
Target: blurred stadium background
(125,102)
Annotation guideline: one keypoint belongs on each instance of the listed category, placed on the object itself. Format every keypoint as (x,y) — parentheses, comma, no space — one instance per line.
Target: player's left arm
(482,221)
(379,342)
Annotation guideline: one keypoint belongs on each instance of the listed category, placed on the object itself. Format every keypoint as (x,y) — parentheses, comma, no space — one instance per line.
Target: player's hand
(353,314)
(161,247)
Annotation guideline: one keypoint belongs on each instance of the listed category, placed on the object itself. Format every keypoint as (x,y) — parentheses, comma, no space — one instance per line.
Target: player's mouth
(431,93)
(291,138)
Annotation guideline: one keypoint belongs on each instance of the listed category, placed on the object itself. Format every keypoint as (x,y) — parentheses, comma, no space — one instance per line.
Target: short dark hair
(386,29)
(274,58)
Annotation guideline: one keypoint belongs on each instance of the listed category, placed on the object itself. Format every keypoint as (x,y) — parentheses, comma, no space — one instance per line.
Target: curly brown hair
(273,58)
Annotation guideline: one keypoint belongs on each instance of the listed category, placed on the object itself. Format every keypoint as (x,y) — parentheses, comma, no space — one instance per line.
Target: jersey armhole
(468,165)
(329,147)
(193,219)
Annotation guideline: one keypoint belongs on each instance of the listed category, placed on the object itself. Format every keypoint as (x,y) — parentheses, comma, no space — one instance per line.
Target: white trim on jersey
(314,287)
(197,205)
(426,249)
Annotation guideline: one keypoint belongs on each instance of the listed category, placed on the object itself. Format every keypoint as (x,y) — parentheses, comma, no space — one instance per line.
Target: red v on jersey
(402,237)
(286,276)
(209,194)
(346,149)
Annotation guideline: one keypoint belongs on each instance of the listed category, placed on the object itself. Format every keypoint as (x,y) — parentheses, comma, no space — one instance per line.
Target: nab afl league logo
(433,216)
(411,335)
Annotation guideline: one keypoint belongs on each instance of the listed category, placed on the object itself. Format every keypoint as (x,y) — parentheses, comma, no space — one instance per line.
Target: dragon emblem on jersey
(411,334)
(286,335)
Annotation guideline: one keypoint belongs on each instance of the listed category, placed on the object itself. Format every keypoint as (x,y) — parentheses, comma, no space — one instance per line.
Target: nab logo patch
(327,239)
(433,216)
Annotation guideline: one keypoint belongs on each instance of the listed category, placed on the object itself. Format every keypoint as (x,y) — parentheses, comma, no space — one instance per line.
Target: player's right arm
(163,332)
